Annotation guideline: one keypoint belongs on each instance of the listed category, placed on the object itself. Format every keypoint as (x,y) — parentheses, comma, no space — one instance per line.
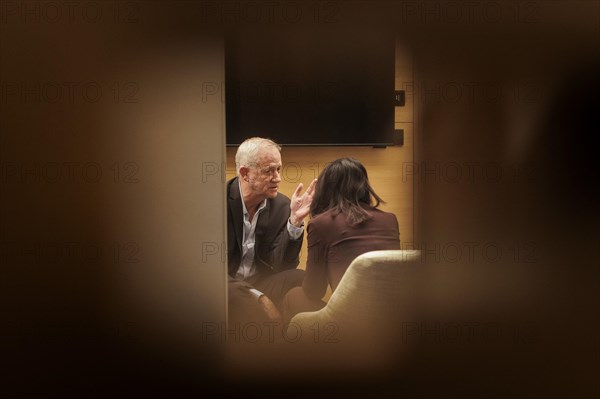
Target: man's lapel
(237,213)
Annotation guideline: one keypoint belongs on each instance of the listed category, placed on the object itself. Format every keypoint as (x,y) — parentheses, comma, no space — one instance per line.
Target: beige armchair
(366,310)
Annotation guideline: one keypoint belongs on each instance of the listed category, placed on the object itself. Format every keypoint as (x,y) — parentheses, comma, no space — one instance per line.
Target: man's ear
(244,173)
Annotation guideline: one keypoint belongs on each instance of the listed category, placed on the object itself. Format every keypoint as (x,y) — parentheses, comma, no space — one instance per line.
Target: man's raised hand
(300,205)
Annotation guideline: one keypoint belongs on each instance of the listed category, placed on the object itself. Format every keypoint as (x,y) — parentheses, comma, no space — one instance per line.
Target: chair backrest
(373,293)
(373,286)
(364,314)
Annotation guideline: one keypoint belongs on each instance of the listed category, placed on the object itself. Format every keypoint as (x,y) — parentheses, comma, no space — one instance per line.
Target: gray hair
(247,152)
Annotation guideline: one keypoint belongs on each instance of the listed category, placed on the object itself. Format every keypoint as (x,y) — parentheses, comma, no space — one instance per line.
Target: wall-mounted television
(310,85)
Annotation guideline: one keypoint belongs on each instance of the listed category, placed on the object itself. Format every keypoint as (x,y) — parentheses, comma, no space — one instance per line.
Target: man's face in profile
(264,177)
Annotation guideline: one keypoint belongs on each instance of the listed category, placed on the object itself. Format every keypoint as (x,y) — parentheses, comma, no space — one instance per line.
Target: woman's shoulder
(376,212)
(379,216)
(329,217)
(324,218)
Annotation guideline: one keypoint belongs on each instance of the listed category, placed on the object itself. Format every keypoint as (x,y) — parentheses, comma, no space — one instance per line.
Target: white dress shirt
(247,267)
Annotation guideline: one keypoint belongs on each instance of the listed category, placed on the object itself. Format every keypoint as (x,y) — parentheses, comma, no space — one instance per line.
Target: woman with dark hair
(345,223)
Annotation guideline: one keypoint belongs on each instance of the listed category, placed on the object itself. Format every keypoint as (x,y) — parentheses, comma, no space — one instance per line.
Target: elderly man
(264,233)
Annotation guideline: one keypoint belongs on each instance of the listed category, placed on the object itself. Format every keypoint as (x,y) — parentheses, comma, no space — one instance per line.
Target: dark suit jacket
(274,250)
(333,244)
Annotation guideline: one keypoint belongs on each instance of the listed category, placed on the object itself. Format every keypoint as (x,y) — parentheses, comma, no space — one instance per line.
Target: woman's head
(343,187)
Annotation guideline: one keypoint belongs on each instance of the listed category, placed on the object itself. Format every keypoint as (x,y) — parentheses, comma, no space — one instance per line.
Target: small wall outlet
(399,98)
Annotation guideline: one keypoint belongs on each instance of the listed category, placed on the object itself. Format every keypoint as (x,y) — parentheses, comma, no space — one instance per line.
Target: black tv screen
(311,86)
